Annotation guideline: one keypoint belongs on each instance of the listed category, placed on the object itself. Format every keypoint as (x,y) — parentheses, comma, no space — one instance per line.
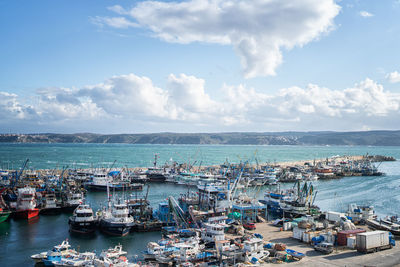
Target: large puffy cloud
(183,104)
(257,29)
(63,104)
(129,94)
(366,98)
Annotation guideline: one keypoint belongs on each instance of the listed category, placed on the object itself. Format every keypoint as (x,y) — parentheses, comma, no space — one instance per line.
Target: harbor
(189,205)
(189,133)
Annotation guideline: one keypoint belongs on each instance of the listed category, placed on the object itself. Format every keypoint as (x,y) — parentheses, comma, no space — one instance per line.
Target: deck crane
(19,173)
(61,179)
(112,165)
(255,157)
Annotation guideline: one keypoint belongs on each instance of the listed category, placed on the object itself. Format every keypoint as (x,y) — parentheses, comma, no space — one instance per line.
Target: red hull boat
(26,214)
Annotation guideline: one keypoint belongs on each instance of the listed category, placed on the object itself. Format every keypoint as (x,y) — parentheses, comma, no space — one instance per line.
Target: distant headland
(362,138)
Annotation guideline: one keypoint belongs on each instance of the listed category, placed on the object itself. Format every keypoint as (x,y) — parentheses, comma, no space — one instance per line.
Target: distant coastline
(363,138)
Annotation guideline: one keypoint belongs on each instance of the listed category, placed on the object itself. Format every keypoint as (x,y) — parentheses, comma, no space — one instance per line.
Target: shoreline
(281,164)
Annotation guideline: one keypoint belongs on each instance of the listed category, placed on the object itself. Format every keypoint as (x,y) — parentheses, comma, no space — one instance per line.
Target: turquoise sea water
(20,239)
(87,155)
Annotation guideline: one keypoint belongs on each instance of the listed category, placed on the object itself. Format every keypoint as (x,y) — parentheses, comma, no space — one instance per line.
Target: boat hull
(4,215)
(88,227)
(156,177)
(147,227)
(114,228)
(50,211)
(93,187)
(378,225)
(26,214)
(70,208)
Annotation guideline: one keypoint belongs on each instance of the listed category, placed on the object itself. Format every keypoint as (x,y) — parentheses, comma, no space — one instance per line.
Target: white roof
(372,233)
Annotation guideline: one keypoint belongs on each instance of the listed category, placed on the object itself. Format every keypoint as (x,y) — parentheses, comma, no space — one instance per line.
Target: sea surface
(20,239)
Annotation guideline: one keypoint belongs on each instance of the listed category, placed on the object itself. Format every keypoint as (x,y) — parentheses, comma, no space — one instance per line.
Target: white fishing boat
(50,205)
(112,257)
(116,220)
(82,259)
(253,249)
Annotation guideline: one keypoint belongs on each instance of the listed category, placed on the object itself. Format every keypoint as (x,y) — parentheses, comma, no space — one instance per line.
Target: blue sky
(273,66)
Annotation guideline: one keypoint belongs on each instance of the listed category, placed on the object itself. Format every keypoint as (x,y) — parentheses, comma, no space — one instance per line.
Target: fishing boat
(26,204)
(81,259)
(155,174)
(116,220)
(83,220)
(72,200)
(4,214)
(162,248)
(50,206)
(139,178)
(385,225)
(64,249)
(361,213)
(52,257)
(112,257)
(253,249)
(100,181)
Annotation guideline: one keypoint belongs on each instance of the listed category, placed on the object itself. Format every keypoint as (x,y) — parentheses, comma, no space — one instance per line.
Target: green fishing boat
(4,215)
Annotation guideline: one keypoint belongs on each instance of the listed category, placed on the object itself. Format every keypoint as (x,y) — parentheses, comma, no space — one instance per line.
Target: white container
(298,233)
(372,241)
(334,216)
(351,242)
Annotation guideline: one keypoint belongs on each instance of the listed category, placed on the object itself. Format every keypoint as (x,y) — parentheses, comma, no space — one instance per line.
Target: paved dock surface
(344,257)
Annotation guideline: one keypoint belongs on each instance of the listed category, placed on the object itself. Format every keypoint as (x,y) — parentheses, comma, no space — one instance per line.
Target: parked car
(324,247)
(249,226)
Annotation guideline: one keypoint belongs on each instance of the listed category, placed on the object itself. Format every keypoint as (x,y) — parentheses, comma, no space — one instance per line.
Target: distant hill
(372,138)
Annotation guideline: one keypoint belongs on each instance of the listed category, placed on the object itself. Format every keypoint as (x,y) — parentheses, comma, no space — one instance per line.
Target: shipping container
(372,241)
(343,235)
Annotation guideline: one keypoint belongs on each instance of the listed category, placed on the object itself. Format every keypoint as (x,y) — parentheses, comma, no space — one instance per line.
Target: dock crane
(232,191)
(178,213)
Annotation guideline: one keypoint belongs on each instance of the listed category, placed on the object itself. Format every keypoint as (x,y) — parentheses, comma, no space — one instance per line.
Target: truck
(373,241)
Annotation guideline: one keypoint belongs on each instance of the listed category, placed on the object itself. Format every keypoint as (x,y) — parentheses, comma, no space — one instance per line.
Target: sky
(125,66)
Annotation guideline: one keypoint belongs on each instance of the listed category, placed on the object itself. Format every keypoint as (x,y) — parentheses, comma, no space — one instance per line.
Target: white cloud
(365,14)
(118,9)
(258,29)
(184,105)
(393,77)
(128,95)
(11,108)
(115,22)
